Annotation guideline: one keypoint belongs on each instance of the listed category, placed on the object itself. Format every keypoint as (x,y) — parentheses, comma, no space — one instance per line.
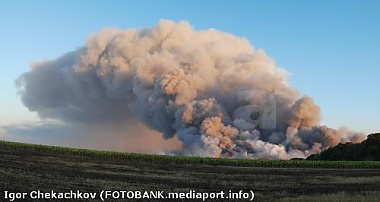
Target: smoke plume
(211,90)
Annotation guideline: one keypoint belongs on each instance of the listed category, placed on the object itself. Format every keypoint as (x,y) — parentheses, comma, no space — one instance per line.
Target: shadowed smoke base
(209,89)
(123,137)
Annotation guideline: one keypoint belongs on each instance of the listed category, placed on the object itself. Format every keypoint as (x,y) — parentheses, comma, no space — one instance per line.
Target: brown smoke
(211,90)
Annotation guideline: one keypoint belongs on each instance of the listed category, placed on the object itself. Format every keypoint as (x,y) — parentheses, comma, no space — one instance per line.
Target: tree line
(368,149)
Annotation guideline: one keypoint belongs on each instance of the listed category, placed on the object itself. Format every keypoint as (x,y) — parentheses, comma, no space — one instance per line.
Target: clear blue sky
(332,48)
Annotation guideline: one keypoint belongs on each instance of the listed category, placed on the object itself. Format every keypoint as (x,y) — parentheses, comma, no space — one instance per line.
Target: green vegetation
(47,150)
(368,149)
(27,167)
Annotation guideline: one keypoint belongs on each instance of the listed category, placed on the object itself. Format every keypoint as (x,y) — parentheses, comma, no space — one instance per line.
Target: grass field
(26,167)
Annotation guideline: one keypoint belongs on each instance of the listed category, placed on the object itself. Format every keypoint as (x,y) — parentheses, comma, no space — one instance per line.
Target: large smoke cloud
(209,89)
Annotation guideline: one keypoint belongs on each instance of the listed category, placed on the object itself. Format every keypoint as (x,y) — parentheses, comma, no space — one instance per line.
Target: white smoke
(211,90)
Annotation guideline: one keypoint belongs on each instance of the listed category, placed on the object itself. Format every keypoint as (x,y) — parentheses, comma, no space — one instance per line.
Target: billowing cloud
(210,90)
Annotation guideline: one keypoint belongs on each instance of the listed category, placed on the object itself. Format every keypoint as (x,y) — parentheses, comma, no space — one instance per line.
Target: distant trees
(368,149)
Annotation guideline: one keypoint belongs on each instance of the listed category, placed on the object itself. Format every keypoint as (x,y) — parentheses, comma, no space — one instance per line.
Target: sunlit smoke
(211,90)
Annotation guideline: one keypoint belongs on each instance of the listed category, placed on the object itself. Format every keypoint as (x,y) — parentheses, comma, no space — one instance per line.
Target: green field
(27,167)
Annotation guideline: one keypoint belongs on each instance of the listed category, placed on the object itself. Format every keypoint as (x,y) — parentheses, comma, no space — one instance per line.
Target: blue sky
(331,48)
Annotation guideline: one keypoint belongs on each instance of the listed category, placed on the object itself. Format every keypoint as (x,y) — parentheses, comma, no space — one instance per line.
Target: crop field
(27,167)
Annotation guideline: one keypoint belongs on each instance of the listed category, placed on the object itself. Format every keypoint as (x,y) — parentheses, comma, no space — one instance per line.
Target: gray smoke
(213,91)
(127,136)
